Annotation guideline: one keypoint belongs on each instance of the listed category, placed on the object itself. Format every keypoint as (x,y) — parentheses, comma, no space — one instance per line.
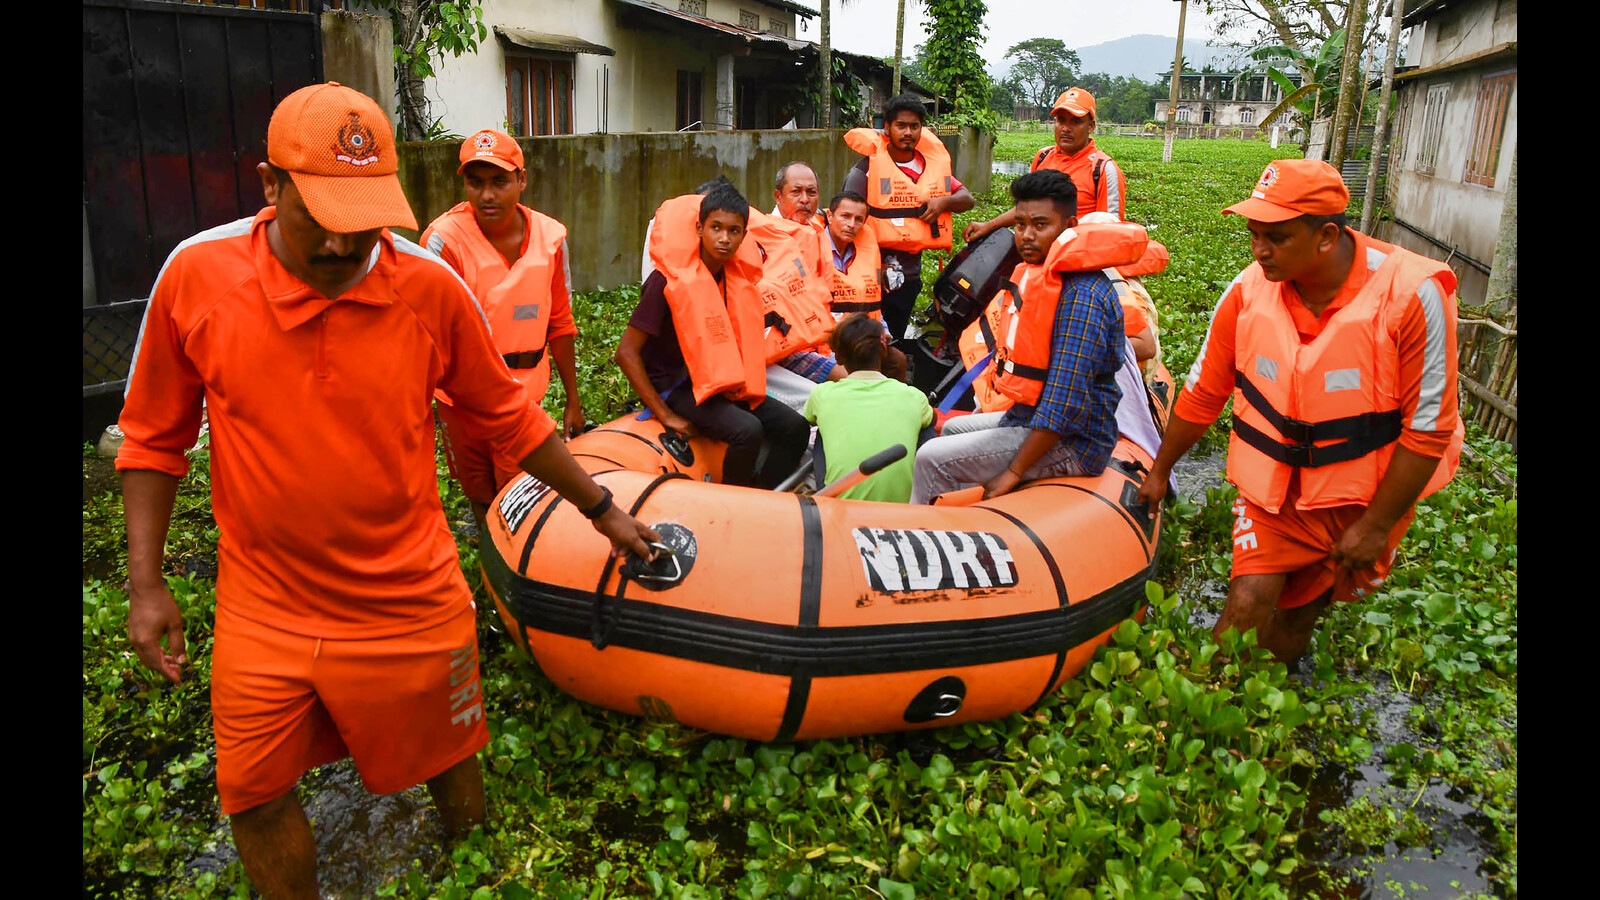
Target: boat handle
(665,552)
(949,705)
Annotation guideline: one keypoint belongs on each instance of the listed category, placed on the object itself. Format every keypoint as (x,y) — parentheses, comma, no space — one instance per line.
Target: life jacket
(1152,262)
(894,201)
(1329,409)
(722,343)
(1028,302)
(1095,161)
(861,288)
(515,297)
(1131,292)
(794,294)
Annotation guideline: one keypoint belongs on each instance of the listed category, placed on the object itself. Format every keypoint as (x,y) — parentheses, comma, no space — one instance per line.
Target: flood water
(1009,167)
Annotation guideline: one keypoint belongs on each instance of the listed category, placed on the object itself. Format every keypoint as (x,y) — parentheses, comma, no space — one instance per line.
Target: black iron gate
(176,98)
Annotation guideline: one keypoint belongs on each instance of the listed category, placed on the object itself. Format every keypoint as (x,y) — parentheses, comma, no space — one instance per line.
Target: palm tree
(899,42)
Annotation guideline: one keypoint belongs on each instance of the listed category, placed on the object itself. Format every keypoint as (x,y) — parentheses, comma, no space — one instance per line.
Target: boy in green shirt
(866,412)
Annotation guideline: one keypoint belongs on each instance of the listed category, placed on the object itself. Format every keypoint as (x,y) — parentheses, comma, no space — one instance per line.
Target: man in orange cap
(344,627)
(1339,352)
(1101,185)
(515,261)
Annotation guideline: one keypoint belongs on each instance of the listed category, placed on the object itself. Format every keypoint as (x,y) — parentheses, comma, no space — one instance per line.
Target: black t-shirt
(661,354)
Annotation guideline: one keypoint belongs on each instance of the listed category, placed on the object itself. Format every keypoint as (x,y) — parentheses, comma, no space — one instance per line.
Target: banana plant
(1319,80)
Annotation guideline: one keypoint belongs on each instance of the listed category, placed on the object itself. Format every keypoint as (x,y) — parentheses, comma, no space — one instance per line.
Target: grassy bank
(1173,766)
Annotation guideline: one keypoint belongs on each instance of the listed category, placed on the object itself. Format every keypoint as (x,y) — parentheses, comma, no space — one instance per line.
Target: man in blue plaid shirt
(1072,428)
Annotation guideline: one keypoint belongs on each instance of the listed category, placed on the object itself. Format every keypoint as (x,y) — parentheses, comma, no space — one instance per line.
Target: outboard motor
(971,278)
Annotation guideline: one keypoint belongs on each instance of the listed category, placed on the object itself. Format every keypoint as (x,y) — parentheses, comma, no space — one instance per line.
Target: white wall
(469,92)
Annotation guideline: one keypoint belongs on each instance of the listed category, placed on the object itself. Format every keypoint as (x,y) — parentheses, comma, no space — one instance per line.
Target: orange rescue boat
(782,616)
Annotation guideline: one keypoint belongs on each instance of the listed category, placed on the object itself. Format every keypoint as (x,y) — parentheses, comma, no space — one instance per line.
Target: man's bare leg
(1288,633)
(458,794)
(1252,599)
(277,849)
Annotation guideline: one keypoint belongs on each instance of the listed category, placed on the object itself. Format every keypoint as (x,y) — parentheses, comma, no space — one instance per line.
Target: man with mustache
(316,337)
(1101,185)
(1339,354)
(515,261)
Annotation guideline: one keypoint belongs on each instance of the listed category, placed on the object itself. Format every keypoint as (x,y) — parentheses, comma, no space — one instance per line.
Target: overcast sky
(867,26)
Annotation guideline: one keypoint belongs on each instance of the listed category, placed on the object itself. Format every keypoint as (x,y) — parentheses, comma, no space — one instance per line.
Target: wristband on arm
(601,506)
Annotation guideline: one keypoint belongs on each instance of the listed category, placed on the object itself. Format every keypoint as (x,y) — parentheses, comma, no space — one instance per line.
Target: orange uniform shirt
(323,475)
(1112,193)
(1211,379)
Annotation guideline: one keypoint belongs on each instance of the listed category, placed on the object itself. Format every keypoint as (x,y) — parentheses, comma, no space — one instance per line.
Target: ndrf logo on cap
(356,144)
(1268,176)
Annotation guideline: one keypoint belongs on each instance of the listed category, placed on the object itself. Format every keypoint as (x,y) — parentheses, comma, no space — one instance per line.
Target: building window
(538,95)
(749,21)
(1432,127)
(1183,114)
(1494,97)
(689,113)
(1247,116)
(776,27)
(698,7)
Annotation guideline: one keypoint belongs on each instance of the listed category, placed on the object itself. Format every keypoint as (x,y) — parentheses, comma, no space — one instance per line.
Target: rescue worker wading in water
(1339,352)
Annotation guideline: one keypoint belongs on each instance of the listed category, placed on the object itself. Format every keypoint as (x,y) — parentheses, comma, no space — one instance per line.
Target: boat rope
(599,628)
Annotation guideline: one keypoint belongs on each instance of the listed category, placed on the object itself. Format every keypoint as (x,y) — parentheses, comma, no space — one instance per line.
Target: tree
(954,67)
(425,30)
(1003,97)
(1044,68)
(826,120)
(1352,84)
(1319,73)
(899,44)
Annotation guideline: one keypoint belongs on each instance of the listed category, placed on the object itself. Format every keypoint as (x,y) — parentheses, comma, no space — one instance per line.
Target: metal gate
(176,99)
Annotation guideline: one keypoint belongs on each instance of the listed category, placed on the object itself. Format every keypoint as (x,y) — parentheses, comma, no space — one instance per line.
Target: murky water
(1009,167)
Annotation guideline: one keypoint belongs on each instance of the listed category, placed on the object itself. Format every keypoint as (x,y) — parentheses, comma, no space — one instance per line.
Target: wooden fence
(1487,365)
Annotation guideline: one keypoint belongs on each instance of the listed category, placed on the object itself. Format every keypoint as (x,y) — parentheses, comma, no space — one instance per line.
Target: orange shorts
(480,470)
(404,709)
(1298,541)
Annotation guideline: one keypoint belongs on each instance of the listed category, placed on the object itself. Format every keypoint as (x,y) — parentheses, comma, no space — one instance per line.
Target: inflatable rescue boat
(781,616)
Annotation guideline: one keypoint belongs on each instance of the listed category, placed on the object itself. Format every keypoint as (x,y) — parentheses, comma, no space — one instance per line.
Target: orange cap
(1075,100)
(491,146)
(1290,188)
(339,147)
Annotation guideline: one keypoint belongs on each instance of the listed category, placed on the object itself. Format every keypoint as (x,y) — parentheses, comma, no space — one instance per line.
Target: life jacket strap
(1361,433)
(525,359)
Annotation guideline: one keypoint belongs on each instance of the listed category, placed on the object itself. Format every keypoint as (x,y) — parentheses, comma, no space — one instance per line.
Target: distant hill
(1147,56)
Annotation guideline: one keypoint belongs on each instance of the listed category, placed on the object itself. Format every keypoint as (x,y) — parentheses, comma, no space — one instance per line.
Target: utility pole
(1172,97)
(1380,130)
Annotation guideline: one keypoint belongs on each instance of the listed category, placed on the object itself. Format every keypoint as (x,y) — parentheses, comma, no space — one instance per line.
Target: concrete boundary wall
(605,187)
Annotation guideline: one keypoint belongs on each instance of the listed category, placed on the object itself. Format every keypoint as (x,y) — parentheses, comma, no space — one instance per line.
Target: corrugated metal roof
(749,38)
(556,43)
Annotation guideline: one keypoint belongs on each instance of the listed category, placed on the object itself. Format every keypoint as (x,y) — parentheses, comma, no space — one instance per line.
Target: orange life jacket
(861,288)
(1029,301)
(794,293)
(721,339)
(1330,409)
(515,297)
(1131,292)
(1153,261)
(894,201)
